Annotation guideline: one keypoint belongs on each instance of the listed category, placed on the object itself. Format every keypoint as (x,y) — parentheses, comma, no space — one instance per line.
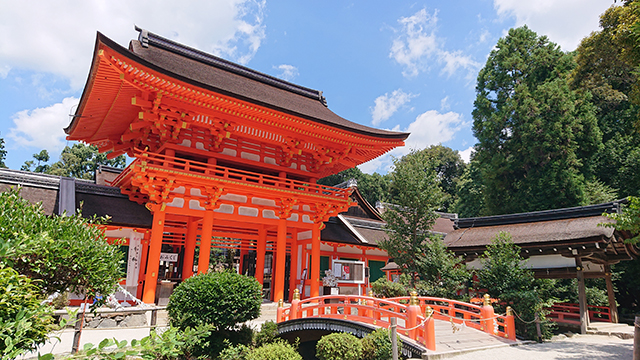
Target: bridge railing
(415,315)
(474,316)
(570,313)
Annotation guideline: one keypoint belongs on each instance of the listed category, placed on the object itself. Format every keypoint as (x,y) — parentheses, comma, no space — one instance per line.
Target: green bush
(278,350)
(385,288)
(220,339)
(24,323)
(221,299)
(268,333)
(62,253)
(339,346)
(176,344)
(377,346)
(237,352)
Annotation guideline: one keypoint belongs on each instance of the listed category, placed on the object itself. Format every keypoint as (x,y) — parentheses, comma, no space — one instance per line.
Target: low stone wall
(114,320)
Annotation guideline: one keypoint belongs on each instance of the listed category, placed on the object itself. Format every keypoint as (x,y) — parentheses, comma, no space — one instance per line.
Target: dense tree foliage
(415,186)
(61,253)
(78,161)
(607,64)
(469,200)
(373,187)
(536,136)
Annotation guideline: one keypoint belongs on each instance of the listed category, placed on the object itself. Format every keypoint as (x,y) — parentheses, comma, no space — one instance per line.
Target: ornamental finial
(509,311)
(413,300)
(296,294)
(280,303)
(428,312)
(487,300)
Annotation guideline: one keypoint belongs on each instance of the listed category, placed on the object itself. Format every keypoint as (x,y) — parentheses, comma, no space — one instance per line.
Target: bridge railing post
(295,305)
(510,324)
(413,311)
(370,304)
(429,329)
(280,312)
(487,315)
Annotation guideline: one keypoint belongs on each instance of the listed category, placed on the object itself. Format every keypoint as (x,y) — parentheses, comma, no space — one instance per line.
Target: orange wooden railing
(569,313)
(175,165)
(415,314)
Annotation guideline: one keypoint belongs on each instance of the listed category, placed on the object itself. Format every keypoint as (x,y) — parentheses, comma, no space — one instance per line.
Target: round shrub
(377,346)
(24,322)
(339,346)
(268,333)
(221,299)
(279,350)
(387,289)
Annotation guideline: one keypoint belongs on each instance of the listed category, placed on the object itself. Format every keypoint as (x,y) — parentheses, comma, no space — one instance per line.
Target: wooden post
(293,268)
(261,250)
(394,338)
(488,314)
(293,313)
(510,324)
(613,308)
(636,338)
(280,312)
(77,329)
(582,297)
(189,248)
(205,242)
(281,254)
(413,311)
(153,260)
(429,329)
(315,260)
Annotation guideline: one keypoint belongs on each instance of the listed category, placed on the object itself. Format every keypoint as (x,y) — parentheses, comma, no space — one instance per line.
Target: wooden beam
(582,297)
(613,308)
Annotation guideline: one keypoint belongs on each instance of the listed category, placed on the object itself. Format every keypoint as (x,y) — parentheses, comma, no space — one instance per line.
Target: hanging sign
(170,257)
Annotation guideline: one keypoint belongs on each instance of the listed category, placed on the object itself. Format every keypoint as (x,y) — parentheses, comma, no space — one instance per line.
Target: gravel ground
(592,347)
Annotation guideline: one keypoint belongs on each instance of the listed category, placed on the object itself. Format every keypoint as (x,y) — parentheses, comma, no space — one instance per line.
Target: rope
(526,322)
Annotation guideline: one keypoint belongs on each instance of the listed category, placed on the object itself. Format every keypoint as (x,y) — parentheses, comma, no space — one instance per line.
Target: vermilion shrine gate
(224,156)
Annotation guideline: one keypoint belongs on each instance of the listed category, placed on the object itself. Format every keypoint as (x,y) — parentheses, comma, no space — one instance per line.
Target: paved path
(592,347)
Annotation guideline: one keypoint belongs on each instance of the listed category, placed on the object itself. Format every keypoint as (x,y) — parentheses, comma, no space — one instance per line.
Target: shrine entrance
(224,157)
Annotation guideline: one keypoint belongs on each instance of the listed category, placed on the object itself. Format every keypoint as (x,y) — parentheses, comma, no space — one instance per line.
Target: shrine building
(224,157)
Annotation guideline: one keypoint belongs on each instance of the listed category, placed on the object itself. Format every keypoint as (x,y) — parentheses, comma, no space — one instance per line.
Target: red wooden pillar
(153,260)
(281,254)
(315,260)
(205,242)
(261,250)
(190,248)
(293,269)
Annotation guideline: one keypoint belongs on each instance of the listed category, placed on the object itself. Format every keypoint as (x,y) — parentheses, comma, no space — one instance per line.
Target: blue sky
(403,65)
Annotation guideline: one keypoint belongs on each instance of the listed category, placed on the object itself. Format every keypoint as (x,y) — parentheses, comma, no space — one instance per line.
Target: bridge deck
(464,338)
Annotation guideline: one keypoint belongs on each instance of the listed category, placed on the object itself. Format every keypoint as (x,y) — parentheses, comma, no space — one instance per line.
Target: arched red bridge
(415,315)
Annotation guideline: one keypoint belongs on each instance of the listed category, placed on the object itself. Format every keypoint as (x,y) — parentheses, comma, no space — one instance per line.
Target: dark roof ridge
(543,215)
(147,38)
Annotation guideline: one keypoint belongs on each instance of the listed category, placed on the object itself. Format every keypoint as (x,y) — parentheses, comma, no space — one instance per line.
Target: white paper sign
(170,257)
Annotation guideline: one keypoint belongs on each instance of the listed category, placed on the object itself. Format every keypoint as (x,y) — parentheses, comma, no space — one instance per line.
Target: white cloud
(444,104)
(288,72)
(418,43)
(386,105)
(466,154)
(42,127)
(565,22)
(58,37)
(429,128)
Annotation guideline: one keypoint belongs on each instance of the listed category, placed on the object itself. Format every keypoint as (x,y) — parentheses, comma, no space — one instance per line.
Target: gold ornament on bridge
(280,303)
(509,311)
(428,312)
(296,294)
(487,300)
(413,300)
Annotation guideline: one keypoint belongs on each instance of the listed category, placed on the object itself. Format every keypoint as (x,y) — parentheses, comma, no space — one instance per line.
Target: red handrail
(164,162)
(415,314)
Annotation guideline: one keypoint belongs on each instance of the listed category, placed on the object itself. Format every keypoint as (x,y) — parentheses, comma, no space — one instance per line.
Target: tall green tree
(421,253)
(373,187)
(536,136)
(3,154)
(607,67)
(38,164)
(469,200)
(448,166)
(81,161)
